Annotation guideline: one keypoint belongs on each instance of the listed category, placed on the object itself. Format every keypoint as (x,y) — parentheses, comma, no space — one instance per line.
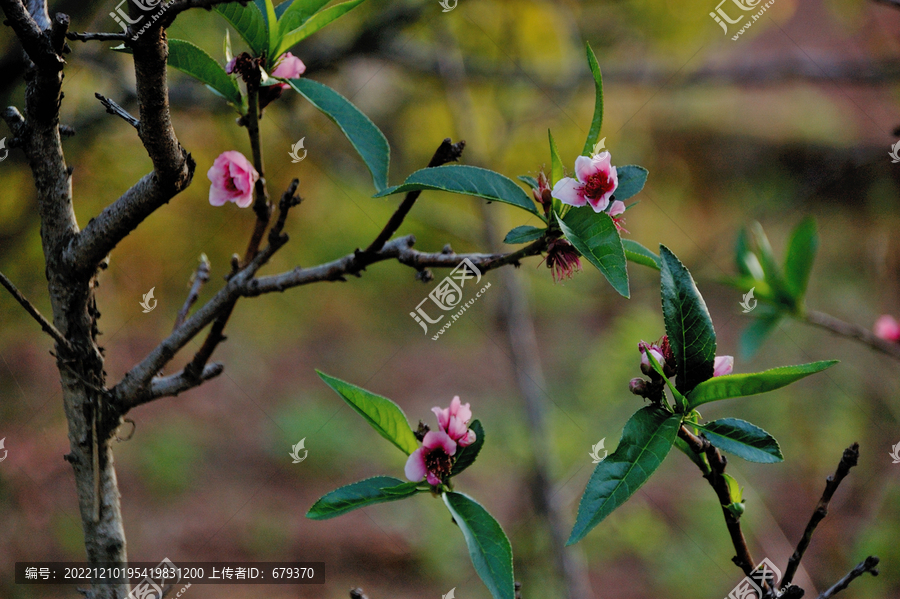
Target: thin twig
(172,385)
(113,108)
(29,307)
(261,206)
(198,280)
(446,152)
(865,566)
(717,462)
(848,460)
(91,36)
(852,331)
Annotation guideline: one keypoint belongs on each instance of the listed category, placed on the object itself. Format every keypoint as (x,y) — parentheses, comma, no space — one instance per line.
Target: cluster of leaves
(488,545)
(781,290)
(653,430)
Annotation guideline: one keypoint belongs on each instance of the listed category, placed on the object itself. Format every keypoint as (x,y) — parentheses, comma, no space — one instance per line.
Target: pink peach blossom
(434,460)
(288,67)
(455,421)
(233,178)
(887,328)
(723,365)
(596,181)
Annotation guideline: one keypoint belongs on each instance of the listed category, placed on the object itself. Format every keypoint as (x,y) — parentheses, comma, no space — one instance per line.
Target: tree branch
(198,280)
(848,460)
(90,36)
(29,307)
(172,385)
(37,46)
(115,109)
(869,565)
(717,462)
(852,331)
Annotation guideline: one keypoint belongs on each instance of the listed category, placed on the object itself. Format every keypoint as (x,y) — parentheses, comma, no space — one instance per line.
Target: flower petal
(440,439)
(569,191)
(415,469)
(723,365)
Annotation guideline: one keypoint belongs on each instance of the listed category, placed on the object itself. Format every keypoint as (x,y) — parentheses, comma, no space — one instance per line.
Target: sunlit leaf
(194,61)
(743,439)
(594,234)
(374,490)
(597,121)
(740,385)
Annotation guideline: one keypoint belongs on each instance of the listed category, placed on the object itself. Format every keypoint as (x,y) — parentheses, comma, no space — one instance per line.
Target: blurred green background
(794,118)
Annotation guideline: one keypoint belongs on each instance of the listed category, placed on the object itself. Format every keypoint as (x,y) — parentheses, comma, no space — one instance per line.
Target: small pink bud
(887,328)
(638,386)
(723,365)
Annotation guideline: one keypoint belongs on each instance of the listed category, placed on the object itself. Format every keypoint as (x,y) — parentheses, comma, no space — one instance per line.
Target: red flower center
(438,462)
(597,185)
(230,186)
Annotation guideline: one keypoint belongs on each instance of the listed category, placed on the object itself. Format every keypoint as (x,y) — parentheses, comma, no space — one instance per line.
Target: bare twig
(29,307)
(90,36)
(848,460)
(172,385)
(198,280)
(869,565)
(852,331)
(717,462)
(446,152)
(261,206)
(35,43)
(113,108)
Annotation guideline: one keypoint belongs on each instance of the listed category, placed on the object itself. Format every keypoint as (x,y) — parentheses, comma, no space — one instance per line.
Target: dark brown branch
(848,460)
(113,108)
(29,307)
(261,206)
(717,462)
(198,280)
(852,331)
(37,46)
(446,152)
(894,3)
(869,565)
(90,36)
(172,385)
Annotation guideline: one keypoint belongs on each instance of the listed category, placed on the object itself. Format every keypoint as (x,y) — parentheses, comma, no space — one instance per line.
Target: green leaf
(698,458)
(360,494)
(556,165)
(488,546)
(524,234)
(688,324)
(757,332)
(296,13)
(639,254)
(382,414)
(368,140)
(594,234)
(468,180)
(799,258)
(249,22)
(771,271)
(597,121)
(679,398)
(268,10)
(465,456)
(646,441)
(315,23)
(190,59)
(741,385)
(528,180)
(734,489)
(631,181)
(743,439)
(746,261)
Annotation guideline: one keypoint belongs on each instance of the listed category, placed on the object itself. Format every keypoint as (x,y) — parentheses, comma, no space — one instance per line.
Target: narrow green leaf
(741,385)
(489,548)
(594,234)
(314,23)
(468,180)
(597,121)
(190,59)
(771,271)
(556,165)
(631,181)
(646,441)
(369,141)
(757,332)
(382,414)
(296,14)
(528,180)
(268,11)
(743,439)
(524,234)
(360,494)
(466,456)
(639,254)
(734,489)
(249,22)
(799,258)
(679,398)
(745,260)
(688,324)
(282,8)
